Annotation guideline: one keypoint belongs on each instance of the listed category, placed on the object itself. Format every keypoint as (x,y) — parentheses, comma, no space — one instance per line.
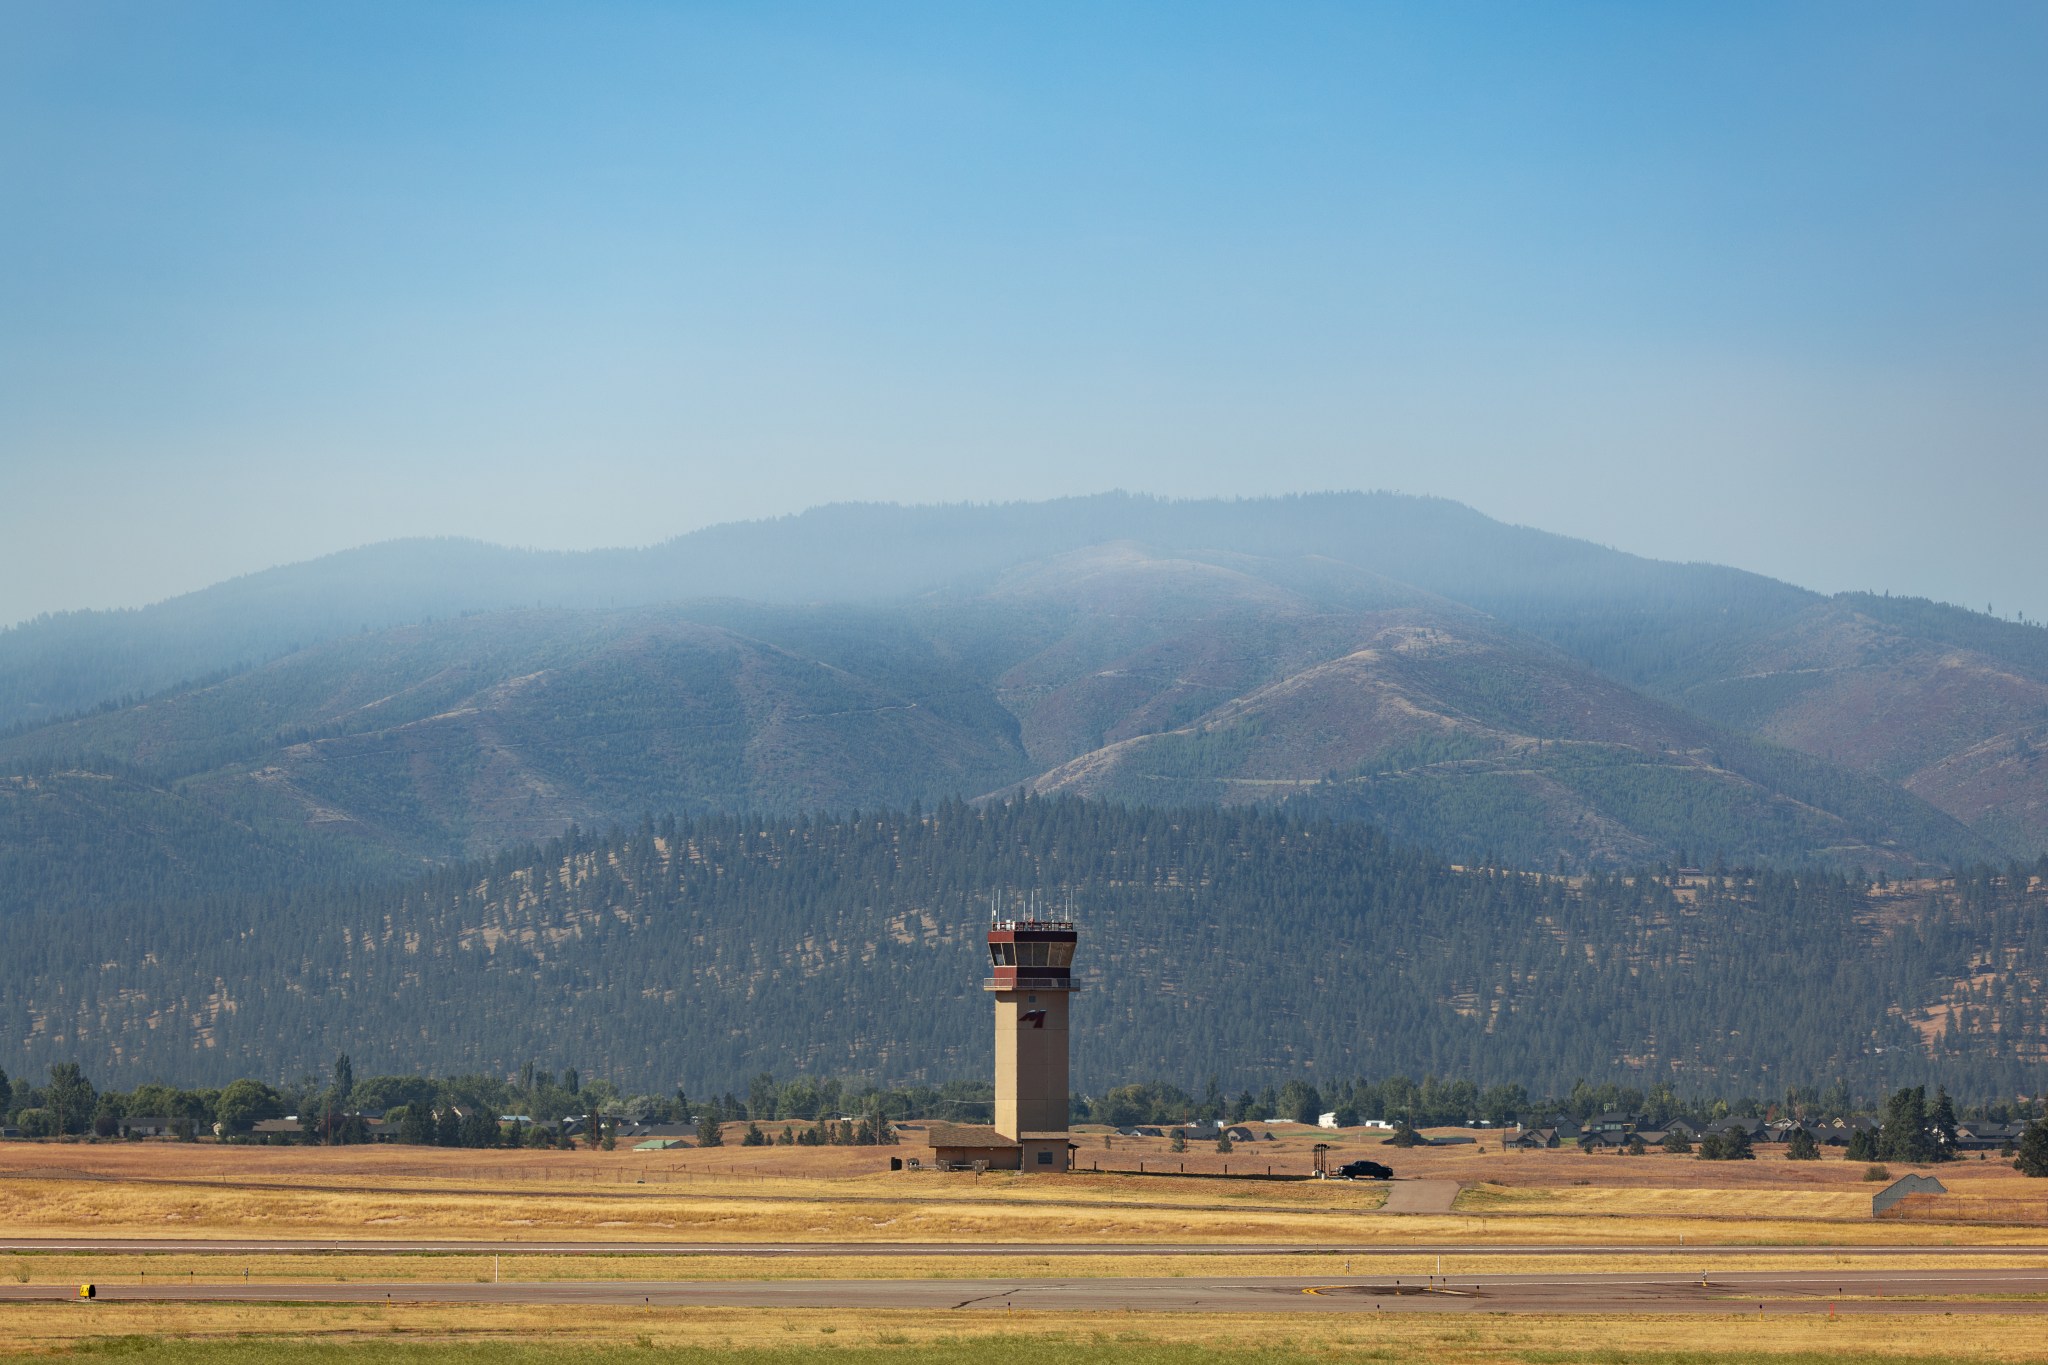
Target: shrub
(1877,1173)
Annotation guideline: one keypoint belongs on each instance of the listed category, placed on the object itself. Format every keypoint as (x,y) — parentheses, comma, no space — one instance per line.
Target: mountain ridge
(1578,704)
(843,552)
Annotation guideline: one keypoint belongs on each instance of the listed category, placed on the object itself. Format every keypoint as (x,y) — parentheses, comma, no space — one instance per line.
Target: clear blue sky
(1758,284)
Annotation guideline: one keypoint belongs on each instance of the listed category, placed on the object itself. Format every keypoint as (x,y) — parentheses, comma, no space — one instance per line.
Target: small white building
(1328,1120)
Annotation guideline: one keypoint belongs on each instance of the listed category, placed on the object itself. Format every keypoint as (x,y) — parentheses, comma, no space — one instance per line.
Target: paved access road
(1909,1291)
(1420,1196)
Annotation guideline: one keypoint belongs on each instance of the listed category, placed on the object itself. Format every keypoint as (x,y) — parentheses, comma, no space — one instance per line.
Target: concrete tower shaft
(1031,962)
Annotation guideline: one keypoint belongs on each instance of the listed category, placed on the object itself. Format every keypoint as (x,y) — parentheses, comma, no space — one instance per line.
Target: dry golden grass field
(733,1196)
(737,1195)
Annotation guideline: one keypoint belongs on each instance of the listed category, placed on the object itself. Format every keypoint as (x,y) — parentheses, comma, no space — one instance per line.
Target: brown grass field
(739,1195)
(1770,1207)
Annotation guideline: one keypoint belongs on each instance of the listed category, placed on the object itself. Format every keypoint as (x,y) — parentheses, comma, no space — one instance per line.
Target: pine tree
(344,1081)
(1903,1135)
(417,1127)
(1943,1122)
(1801,1146)
(2033,1153)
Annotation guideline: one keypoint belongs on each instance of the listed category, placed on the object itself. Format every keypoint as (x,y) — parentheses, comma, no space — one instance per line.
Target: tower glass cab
(1031,976)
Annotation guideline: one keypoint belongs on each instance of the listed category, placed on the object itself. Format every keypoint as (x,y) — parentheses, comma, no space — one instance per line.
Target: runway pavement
(561,1247)
(252,1247)
(1902,1291)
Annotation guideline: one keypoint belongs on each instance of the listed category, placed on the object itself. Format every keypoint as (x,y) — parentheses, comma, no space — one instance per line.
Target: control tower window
(1062,955)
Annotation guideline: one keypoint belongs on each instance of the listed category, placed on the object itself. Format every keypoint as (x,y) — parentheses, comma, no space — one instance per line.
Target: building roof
(966,1135)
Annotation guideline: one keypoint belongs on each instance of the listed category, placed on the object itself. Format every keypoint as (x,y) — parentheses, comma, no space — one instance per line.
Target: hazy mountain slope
(1116,670)
(1132,640)
(472,734)
(1448,730)
(1951,705)
(1239,943)
(1631,615)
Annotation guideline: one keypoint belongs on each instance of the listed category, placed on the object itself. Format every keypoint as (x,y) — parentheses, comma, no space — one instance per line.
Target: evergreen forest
(1236,943)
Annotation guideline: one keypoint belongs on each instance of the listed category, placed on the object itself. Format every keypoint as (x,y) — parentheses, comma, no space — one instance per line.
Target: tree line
(535,1107)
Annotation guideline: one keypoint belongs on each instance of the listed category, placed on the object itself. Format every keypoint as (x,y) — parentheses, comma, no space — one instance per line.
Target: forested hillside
(1241,943)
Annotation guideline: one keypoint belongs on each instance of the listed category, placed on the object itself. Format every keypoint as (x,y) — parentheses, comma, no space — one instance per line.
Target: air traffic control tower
(1032,962)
